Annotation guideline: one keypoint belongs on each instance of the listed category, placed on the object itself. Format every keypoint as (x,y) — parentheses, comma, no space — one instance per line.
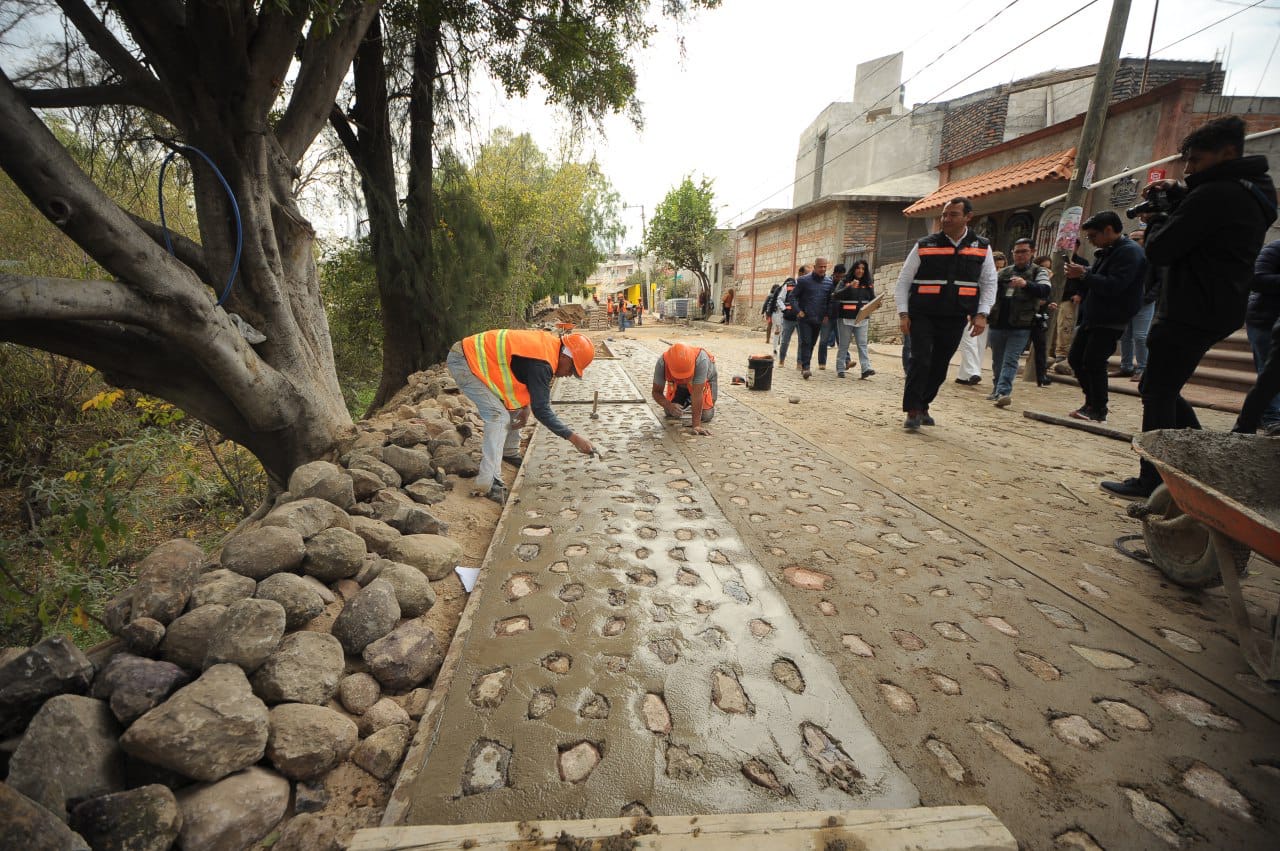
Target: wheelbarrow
(1219,501)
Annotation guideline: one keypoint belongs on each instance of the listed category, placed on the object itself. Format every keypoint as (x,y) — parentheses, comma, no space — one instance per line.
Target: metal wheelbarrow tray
(1230,483)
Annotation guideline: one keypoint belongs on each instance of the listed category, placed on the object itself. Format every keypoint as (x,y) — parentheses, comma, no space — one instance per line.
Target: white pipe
(1107,181)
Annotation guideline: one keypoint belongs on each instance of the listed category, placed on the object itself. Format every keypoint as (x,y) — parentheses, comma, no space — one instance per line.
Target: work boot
(926,420)
(805,374)
(1004,401)
(498,493)
(868,373)
(912,422)
(1130,488)
(513,460)
(992,396)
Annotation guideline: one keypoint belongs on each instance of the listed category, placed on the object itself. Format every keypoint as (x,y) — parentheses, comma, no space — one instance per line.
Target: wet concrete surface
(629,655)
(964,583)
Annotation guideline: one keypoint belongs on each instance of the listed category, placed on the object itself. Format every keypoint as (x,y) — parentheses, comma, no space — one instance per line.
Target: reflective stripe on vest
(946,281)
(489,355)
(669,390)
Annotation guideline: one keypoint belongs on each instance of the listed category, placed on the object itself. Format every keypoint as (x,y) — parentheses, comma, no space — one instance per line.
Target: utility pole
(645,298)
(1087,149)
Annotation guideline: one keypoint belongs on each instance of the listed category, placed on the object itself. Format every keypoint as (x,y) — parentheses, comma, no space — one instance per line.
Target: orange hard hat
(581,350)
(680,360)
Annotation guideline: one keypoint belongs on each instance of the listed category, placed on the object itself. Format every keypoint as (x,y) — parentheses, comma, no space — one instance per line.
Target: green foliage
(683,227)
(349,288)
(468,258)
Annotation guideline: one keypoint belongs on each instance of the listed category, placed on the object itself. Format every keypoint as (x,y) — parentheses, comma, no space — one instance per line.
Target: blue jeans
(784,339)
(1006,347)
(846,333)
(1260,342)
(622,321)
(499,438)
(1133,345)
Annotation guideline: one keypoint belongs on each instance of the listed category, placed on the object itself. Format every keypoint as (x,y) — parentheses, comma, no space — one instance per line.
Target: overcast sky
(755,73)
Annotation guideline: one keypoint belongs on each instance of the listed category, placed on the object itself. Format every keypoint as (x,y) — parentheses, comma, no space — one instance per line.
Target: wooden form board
(964,828)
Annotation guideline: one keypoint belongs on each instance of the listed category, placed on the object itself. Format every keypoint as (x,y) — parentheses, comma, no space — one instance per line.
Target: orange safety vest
(489,356)
(708,401)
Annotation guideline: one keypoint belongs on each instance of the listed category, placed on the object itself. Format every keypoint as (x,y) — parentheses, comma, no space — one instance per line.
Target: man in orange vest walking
(686,376)
(507,374)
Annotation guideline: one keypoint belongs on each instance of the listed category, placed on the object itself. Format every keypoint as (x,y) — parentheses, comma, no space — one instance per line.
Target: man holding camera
(1216,225)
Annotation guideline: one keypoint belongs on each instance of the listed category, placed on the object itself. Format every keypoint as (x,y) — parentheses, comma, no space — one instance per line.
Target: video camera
(1157,202)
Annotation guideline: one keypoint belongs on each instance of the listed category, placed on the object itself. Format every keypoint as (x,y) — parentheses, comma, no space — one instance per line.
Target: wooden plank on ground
(963,828)
(1083,425)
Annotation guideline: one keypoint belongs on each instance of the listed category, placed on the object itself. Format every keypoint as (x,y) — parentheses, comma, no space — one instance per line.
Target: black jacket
(1264,301)
(1018,307)
(1210,243)
(851,290)
(1112,288)
(810,295)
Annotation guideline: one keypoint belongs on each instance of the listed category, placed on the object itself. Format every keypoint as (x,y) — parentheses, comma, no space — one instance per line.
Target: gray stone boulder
(385,473)
(299,598)
(334,554)
(186,641)
(365,484)
(133,686)
(428,491)
(411,520)
(385,713)
(247,634)
(406,657)
(115,614)
(307,741)
(367,616)
(434,555)
(221,586)
(207,730)
(381,753)
(165,580)
(456,461)
(323,480)
(143,819)
(71,746)
(378,536)
(54,666)
(369,441)
(143,635)
(370,570)
(306,668)
(308,516)
(232,814)
(411,464)
(258,553)
(409,435)
(413,592)
(27,826)
(313,832)
(325,592)
(358,692)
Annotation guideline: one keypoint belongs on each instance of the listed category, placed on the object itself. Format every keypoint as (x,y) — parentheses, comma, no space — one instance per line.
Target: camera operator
(1207,247)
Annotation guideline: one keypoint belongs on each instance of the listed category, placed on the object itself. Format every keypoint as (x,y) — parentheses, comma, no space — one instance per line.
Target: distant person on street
(1133,343)
(1040,330)
(855,289)
(767,309)
(685,377)
(622,312)
(785,317)
(1208,249)
(827,333)
(507,374)
(973,348)
(726,306)
(1260,323)
(809,300)
(1019,290)
(1110,295)
(947,276)
(1068,310)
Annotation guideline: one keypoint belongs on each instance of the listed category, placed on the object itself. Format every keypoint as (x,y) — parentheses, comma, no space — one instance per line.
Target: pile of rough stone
(239,681)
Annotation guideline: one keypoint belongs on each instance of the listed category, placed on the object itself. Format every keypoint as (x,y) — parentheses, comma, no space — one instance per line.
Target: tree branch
(104,43)
(153,25)
(104,95)
(187,250)
(326,56)
(271,49)
(28,298)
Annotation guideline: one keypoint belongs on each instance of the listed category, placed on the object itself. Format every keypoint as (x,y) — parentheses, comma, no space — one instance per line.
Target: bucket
(759,372)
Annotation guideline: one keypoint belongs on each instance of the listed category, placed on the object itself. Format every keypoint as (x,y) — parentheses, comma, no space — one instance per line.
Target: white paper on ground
(468,575)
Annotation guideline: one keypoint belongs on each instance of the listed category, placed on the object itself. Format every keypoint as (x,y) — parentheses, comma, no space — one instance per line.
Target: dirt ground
(978,611)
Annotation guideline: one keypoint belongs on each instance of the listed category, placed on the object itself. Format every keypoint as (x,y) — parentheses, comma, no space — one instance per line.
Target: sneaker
(962,381)
(839,375)
(805,374)
(1137,376)
(1130,488)
(1081,413)
(513,460)
(1004,401)
(1120,373)
(912,423)
(992,396)
(1043,381)
(1272,430)
(926,420)
(497,493)
(975,379)
(822,366)
(868,373)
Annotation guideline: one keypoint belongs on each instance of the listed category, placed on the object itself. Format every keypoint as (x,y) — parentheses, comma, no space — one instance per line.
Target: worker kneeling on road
(685,377)
(508,373)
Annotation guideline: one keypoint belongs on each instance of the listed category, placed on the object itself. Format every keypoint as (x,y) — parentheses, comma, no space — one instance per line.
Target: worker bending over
(685,376)
(507,374)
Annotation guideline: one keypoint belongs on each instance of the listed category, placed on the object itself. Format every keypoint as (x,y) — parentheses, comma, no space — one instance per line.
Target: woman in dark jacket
(855,290)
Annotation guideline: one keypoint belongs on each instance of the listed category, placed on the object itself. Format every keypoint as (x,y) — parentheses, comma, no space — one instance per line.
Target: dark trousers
(1038,349)
(1262,406)
(728,311)
(906,353)
(934,339)
(808,337)
(827,339)
(1173,353)
(1088,356)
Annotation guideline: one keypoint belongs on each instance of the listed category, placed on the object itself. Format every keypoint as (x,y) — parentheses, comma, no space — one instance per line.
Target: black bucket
(759,372)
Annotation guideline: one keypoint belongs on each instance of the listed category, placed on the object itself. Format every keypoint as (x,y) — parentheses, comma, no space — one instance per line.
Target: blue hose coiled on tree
(235,208)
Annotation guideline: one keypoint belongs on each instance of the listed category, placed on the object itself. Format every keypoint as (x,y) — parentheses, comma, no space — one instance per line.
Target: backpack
(771,303)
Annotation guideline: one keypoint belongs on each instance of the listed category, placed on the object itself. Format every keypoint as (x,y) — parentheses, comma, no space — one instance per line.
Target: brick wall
(973,128)
(884,322)
(860,222)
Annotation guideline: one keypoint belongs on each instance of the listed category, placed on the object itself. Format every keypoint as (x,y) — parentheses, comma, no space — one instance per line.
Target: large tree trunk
(156,327)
